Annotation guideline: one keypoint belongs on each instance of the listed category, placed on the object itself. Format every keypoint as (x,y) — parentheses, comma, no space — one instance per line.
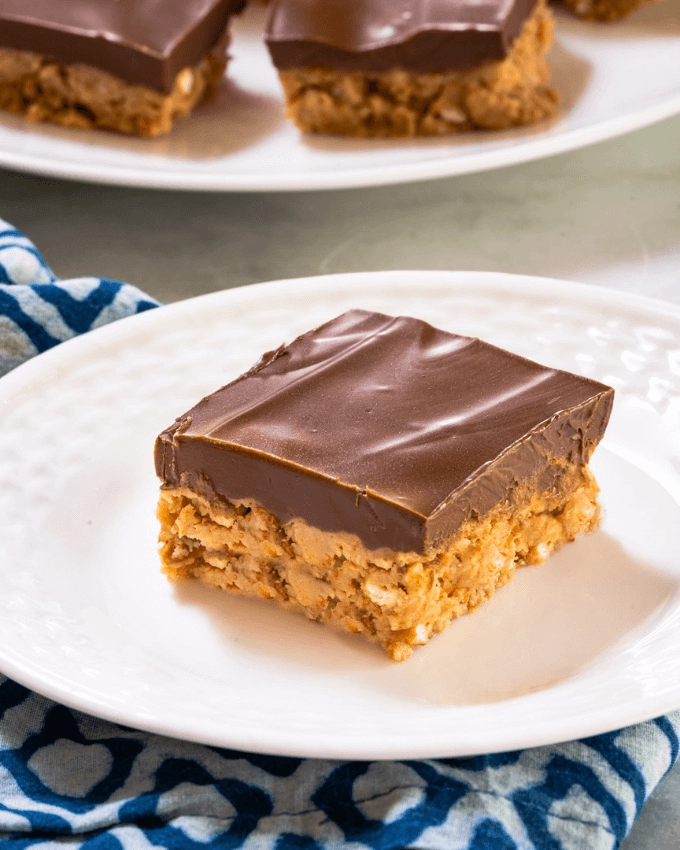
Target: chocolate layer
(386,428)
(140,41)
(422,36)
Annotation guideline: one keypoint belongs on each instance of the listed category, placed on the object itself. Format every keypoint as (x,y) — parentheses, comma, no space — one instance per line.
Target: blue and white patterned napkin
(37,311)
(70,780)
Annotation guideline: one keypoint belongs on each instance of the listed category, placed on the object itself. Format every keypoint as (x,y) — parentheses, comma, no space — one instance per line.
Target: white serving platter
(614,78)
(586,643)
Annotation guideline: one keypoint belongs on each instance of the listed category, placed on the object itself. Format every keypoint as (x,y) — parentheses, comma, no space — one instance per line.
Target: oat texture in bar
(380,476)
(412,67)
(134,66)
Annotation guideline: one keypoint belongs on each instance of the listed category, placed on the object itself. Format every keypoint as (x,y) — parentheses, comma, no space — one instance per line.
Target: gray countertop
(608,215)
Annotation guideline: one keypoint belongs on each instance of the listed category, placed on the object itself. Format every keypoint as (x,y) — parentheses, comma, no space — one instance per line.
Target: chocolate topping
(140,41)
(423,36)
(386,428)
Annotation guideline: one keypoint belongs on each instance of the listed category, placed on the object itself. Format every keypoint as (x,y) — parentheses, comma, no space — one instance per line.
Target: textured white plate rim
(48,365)
(533,148)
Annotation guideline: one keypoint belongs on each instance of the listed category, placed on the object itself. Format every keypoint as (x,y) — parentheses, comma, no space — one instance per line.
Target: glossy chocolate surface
(386,428)
(422,36)
(141,41)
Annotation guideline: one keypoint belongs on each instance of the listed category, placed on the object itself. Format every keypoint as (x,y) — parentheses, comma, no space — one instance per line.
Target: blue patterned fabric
(37,311)
(67,779)
(70,780)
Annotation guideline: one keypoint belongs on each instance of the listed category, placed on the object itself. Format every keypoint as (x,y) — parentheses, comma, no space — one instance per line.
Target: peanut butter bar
(412,67)
(134,66)
(380,476)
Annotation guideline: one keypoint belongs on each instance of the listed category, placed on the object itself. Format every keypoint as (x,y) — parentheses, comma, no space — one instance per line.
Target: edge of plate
(446,166)
(588,291)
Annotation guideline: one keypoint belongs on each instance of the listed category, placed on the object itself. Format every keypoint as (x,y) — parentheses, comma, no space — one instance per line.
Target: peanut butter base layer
(604,10)
(492,96)
(81,96)
(399,599)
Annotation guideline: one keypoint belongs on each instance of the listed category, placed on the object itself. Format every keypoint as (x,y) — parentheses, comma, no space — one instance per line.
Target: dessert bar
(412,67)
(134,66)
(380,475)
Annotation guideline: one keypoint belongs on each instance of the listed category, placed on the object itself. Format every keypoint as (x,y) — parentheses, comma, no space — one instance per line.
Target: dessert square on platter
(410,67)
(380,475)
(134,66)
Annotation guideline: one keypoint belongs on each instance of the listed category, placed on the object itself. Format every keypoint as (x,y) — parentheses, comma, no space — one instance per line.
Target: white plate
(614,78)
(586,643)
